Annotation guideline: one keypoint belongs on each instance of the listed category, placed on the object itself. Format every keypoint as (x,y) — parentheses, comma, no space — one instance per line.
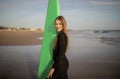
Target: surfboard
(46,53)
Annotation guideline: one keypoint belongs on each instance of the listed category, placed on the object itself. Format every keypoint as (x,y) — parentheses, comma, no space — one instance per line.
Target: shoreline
(28,37)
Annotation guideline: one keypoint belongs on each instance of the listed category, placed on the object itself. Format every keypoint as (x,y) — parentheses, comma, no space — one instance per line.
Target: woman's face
(58,25)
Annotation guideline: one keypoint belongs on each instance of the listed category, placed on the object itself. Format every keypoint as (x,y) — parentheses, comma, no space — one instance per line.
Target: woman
(60,66)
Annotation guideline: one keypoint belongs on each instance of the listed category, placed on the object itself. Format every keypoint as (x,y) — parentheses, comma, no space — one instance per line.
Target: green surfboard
(46,53)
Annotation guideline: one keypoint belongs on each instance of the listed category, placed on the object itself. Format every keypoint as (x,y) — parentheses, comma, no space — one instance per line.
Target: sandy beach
(90,57)
(20,37)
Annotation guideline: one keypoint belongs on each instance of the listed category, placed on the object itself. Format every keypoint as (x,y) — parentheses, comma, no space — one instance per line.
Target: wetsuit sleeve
(61,49)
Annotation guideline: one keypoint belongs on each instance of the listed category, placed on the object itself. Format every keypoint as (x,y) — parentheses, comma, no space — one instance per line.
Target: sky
(79,14)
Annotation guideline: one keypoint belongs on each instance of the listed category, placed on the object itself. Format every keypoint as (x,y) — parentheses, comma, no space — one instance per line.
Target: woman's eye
(60,24)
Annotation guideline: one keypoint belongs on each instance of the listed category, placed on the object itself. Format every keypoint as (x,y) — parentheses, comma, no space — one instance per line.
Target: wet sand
(89,58)
(19,62)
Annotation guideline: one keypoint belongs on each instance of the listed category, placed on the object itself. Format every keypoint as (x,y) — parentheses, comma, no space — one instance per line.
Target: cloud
(95,2)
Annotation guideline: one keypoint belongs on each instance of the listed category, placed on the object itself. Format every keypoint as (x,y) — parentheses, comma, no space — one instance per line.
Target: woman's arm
(61,49)
(62,42)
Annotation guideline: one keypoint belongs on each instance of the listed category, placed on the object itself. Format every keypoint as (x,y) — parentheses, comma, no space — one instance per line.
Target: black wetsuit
(60,60)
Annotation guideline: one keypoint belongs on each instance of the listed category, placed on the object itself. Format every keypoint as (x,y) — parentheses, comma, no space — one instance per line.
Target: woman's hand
(51,73)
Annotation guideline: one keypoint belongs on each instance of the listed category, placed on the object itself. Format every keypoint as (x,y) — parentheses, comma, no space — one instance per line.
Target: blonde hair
(64,24)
